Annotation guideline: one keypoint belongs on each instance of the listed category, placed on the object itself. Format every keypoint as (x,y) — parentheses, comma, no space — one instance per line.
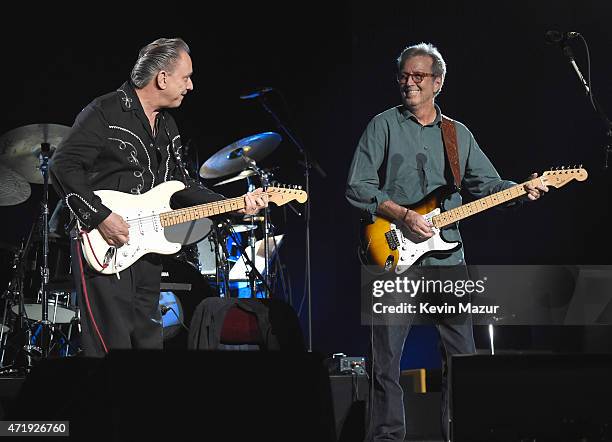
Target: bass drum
(182,288)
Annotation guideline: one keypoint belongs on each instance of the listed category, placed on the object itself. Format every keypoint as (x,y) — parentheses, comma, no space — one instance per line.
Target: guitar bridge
(392,239)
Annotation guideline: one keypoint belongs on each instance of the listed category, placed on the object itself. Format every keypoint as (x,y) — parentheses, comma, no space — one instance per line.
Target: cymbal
(14,189)
(242,175)
(240,228)
(20,148)
(230,159)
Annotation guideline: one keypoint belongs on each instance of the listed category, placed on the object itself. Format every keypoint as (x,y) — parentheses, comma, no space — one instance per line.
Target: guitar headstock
(561,176)
(281,194)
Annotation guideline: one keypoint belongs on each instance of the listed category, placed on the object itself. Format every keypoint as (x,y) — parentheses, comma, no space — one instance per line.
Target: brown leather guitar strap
(449,137)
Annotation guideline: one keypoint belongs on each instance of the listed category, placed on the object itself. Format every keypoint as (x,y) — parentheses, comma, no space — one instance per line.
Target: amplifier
(343,364)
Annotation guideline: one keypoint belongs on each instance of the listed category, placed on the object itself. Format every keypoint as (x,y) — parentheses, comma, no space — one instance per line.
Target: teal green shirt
(399,159)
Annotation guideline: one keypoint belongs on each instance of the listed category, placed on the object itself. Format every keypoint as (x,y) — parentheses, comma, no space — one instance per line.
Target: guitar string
(151,219)
(186,211)
(473,207)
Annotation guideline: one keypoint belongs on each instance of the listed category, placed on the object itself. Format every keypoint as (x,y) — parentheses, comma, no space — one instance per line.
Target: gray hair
(160,55)
(438,67)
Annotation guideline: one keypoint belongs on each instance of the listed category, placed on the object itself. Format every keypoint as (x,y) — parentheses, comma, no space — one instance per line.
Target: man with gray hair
(401,159)
(127,141)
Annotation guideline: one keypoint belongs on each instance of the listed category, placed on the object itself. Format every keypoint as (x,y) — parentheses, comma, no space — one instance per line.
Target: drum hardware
(45,154)
(14,297)
(241,176)
(264,177)
(241,156)
(253,273)
(221,258)
(27,151)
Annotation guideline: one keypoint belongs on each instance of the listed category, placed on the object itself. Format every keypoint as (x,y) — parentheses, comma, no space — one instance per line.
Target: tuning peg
(300,187)
(580,165)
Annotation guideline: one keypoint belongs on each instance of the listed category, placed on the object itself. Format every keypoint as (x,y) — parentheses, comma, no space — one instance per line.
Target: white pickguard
(411,248)
(146,232)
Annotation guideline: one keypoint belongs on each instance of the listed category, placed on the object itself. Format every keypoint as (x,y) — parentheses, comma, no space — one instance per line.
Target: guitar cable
(86,296)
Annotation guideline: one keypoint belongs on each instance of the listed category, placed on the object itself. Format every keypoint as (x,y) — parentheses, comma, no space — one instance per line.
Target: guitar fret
(202,211)
(452,216)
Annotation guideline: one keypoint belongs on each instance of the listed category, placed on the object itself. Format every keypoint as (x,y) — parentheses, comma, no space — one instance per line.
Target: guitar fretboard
(201,211)
(480,205)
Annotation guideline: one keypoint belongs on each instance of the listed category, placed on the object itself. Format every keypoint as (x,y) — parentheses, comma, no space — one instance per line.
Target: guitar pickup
(392,239)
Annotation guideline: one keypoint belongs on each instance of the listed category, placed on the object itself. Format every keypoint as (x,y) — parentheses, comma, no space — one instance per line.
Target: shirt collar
(128,97)
(404,115)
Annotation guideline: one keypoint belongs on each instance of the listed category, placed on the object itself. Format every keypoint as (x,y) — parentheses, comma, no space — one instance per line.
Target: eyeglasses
(417,77)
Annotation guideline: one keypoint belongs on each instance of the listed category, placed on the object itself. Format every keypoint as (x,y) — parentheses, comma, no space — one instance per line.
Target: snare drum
(59,311)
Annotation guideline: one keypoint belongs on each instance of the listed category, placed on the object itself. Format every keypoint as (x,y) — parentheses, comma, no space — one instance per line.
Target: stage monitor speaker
(350,398)
(549,397)
(183,395)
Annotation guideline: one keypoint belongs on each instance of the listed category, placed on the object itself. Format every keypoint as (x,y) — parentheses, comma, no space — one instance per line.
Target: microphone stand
(308,163)
(264,178)
(567,50)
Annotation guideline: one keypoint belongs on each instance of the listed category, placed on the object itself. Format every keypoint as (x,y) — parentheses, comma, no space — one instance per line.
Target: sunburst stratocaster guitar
(150,217)
(389,244)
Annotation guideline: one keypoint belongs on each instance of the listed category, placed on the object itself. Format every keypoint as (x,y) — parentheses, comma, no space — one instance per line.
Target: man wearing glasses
(400,159)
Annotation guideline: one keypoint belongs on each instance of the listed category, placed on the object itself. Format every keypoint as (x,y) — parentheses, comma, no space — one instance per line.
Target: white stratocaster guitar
(388,244)
(151,219)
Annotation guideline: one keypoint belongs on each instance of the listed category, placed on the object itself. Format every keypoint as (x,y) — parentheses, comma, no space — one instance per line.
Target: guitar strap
(449,138)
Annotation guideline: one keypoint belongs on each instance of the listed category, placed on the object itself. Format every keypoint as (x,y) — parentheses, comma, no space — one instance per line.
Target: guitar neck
(201,211)
(480,205)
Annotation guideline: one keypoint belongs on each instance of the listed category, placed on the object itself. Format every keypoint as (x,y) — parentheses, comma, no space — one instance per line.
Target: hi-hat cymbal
(20,148)
(240,228)
(241,176)
(230,159)
(14,189)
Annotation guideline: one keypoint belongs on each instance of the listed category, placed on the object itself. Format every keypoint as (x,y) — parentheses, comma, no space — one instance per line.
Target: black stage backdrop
(334,65)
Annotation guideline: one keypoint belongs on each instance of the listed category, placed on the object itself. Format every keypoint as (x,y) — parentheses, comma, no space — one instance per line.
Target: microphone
(554,37)
(257,93)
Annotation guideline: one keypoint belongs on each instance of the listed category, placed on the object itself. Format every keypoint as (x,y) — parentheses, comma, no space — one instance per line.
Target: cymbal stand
(264,177)
(222,272)
(14,288)
(45,151)
(252,243)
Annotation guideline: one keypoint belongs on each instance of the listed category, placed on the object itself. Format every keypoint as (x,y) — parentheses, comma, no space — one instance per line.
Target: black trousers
(386,413)
(121,313)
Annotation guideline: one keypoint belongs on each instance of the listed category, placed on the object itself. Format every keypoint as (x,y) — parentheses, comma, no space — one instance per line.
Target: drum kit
(234,257)
(41,317)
